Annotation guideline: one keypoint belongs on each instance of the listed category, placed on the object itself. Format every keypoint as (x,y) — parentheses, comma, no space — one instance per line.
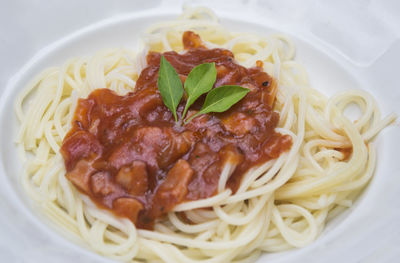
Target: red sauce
(129,156)
(347,152)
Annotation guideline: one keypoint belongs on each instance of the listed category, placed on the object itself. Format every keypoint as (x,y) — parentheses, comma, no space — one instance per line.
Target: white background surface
(343,44)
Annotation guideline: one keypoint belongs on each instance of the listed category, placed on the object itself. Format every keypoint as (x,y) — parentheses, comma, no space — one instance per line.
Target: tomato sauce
(129,156)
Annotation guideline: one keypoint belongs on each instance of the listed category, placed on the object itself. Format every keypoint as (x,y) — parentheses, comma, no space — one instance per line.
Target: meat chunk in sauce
(173,189)
(191,40)
(133,178)
(129,156)
(157,146)
(78,146)
(102,184)
(128,207)
(80,175)
(201,160)
(239,123)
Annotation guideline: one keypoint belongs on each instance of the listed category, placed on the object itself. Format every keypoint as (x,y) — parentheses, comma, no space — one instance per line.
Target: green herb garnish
(199,81)
(170,86)
(221,99)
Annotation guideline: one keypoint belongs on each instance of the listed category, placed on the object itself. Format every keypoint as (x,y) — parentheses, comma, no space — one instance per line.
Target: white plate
(342,46)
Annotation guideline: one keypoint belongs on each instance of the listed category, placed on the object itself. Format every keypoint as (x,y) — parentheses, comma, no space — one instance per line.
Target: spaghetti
(280,204)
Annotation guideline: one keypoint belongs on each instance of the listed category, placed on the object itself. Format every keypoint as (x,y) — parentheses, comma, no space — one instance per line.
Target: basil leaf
(170,86)
(221,99)
(199,81)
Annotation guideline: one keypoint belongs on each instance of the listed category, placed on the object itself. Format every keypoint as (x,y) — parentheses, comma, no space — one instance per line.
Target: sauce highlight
(129,156)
